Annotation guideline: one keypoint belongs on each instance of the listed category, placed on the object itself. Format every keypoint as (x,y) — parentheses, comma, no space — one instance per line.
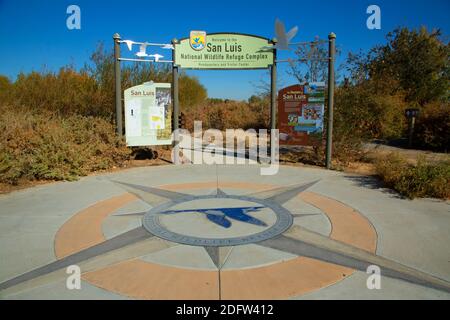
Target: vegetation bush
(346,149)
(101,68)
(433,127)
(222,115)
(60,125)
(66,92)
(415,62)
(46,146)
(412,70)
(360,111)
(90,91)
(420,180)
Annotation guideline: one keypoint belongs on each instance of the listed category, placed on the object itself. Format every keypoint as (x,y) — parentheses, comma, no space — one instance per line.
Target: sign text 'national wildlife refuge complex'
(223,51)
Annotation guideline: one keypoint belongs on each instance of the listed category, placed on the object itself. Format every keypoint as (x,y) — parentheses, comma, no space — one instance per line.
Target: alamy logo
(374,280)
(74,20)
(374,20)
(235,146)
(74,280)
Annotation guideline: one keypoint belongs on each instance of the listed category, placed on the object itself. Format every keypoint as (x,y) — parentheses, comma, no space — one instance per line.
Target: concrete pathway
(222,232)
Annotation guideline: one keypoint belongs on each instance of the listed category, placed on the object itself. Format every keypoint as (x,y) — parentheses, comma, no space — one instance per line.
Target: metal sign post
(411,114)
(176,104)
(331,53)
(273,100)
(118,84)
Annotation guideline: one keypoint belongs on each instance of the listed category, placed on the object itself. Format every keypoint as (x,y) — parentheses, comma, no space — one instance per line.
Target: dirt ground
(379,150)
(372,152)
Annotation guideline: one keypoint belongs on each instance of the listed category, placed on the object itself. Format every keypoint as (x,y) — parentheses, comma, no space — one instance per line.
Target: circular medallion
(217,221)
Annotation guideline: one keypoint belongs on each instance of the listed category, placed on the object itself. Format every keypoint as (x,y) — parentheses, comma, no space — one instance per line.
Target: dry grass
(44,146)
(420,180)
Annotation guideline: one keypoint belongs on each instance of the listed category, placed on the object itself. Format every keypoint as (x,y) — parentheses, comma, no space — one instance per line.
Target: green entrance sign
(223,51)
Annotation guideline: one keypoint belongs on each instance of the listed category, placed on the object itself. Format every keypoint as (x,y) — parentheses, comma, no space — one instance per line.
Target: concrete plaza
(222,232)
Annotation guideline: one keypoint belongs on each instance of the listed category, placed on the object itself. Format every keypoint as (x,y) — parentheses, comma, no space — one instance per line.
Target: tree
(311,63)
(417,60)
(410,70)
(5,87)
(192,92)
(4,83)
(101,69)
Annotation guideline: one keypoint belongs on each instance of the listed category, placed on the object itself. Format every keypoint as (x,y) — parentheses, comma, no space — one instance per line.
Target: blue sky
(35,37)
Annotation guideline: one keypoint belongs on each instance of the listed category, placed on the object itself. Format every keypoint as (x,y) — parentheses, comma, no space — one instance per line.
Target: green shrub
(91,91)
(361,111)
(433,126)
(46,146)
(101,69)
(420,180)
(65,93)
(223,115)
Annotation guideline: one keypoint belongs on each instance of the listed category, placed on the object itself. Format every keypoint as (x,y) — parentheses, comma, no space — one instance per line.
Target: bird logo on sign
(197,40)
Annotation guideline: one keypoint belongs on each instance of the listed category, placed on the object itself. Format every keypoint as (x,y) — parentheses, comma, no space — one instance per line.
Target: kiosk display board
(148,114)
(300,114)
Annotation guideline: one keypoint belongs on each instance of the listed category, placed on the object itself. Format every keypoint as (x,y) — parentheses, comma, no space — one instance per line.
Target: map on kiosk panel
(145,118)
(157,119)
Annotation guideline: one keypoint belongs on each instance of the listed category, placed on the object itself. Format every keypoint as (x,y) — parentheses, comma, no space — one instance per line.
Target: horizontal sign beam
(143,60)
